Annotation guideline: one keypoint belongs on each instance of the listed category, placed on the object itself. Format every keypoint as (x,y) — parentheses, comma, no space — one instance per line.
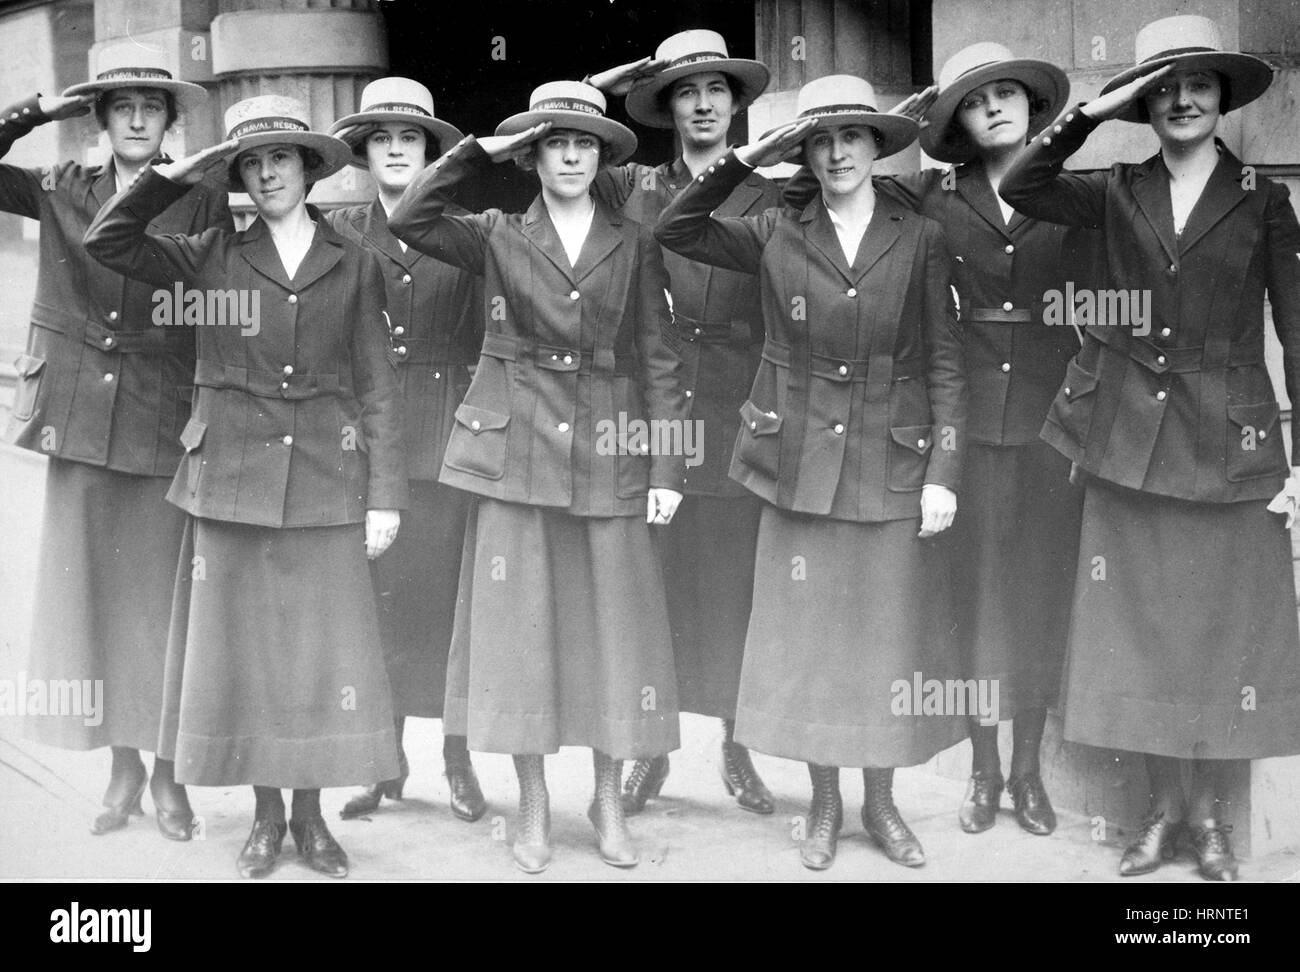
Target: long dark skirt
(850,620)
(109,543)
(561,636)
(1015,546)
(708,561)
(1184,640)
(275,675)
(415,584)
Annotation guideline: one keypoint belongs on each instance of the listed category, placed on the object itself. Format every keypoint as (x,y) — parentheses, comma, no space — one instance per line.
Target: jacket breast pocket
(29,385)
(758,445)
(1254,446)
(909,452)
(192,441)
(1073,406)
(478,442)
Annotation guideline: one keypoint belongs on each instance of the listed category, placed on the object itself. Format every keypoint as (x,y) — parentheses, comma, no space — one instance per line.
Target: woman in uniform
(853,434)
(105,394)
(561,629)
(433,320)
(1184,642)
(293,474)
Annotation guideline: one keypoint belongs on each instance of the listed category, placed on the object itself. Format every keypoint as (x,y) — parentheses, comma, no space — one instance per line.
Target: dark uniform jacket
(717,318)
(435,328)
(572,357)
(860,398)
(297,419)
(1187,410)
(98,383)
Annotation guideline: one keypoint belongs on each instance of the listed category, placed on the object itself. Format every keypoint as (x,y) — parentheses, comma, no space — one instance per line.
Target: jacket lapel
(540,231)
(605,236)
(818,230)
(258,250)
(1151,190)
(374,228)
(1222,192)
(882,232)
(973,185)
(104,186)
(326,250)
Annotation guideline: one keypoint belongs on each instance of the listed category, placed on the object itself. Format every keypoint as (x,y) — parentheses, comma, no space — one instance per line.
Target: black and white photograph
(610,442)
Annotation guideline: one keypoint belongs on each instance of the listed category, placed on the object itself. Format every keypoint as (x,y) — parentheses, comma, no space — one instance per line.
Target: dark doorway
(450,48)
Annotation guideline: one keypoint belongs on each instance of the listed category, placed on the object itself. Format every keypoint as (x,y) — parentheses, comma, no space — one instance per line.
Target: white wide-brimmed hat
(572,104)
(133,65)
(1192,44)
(394,100)
(973,67)
(276,120)
(845,99)
(694,52)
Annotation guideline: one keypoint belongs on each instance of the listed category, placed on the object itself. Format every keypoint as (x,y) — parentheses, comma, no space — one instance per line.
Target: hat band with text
(256,126)
(1175,51)
(143,74)
(839,110)
(567,104)
(397,106)
(696,58)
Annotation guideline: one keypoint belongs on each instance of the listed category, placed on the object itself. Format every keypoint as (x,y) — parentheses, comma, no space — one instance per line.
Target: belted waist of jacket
(842,369)
(154,340)
(426,351)
(737,334)
(1217,353)
(554,358)
(265,384)
(998,315)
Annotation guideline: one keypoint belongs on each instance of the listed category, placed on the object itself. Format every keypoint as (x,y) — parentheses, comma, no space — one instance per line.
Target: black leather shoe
(644,783)
(467,801)
(1154,843)
(742,780)
(884,824)
(368,800)
(117,814)
(262,848)
(318,848)
(1214,858)
(1034,811)
(979,808)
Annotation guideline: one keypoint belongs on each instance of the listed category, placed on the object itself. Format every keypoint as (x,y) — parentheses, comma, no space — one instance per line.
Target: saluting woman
(853,434)
(294,472)
(434,321)
(105,394)
(1184,596)
(561,628)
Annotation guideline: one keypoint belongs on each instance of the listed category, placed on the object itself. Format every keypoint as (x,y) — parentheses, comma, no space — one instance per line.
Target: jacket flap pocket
(192,435)
(758,421)
(28,366)
(1077,382)
(1260,417)
(480,419)
(914,437)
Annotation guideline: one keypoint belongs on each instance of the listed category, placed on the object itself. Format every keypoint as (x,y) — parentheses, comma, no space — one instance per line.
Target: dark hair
(1225,99)
(665,94)
(360,135)
(101,103)
(311,159)
(528,162)
(957,141)
(802,157)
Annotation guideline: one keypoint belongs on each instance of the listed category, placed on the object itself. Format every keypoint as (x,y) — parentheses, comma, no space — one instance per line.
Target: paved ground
(694,832)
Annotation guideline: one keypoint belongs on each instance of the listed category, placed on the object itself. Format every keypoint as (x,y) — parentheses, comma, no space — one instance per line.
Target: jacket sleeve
(421,221)
(1283,283)
(945,368)
(1036,186)
(118,239)
(660,368)
(376,387)
(613,184)
(20,189)
(732,242)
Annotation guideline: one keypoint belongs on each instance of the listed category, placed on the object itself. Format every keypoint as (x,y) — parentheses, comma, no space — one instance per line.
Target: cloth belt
(265,384)
(838,369)
(553,358)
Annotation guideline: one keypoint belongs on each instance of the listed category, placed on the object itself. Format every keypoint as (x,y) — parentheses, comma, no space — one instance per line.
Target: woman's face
(395,152)
(567,161)
(136,120)
(1184,107)
(995,116)
(274,176)
(841,157)
(702,107)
